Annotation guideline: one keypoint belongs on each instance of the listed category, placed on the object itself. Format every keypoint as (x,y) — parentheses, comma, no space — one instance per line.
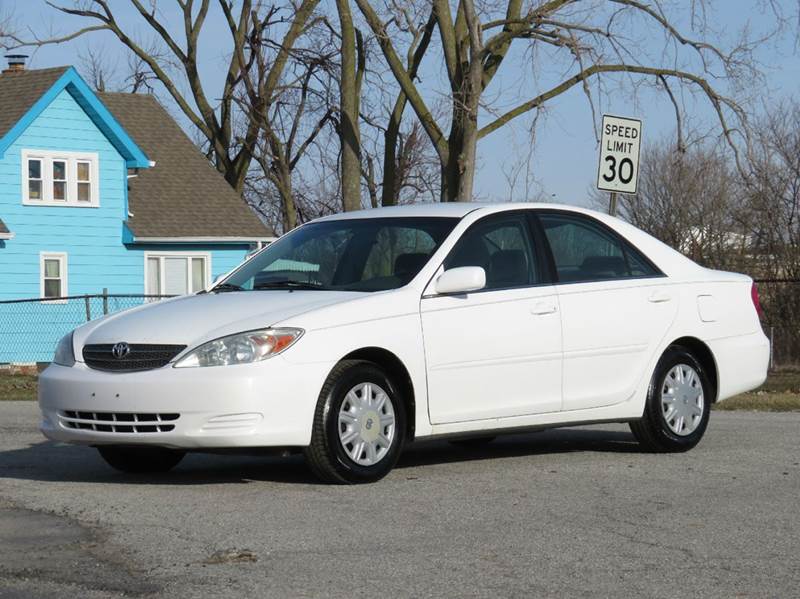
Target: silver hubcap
(366,424)
(682,400)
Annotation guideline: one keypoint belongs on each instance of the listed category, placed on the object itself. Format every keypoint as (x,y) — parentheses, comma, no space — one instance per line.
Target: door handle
(542,308)
(659,297)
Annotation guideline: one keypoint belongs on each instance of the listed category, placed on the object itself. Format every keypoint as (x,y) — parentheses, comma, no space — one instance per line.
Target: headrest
(409,263)
(508,268)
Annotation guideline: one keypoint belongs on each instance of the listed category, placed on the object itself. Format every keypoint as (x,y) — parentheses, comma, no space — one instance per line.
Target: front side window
(59,178)
(584,251)
(53,275)
(370,254)
(501,246)
(175,273)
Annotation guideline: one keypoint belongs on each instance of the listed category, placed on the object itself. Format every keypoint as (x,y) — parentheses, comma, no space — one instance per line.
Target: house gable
(71,82)
(89,235)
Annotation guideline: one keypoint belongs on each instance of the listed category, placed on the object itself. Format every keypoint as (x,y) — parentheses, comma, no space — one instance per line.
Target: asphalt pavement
(576,512)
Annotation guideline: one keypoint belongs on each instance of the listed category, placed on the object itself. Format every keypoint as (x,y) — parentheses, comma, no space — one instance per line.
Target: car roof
(447,209)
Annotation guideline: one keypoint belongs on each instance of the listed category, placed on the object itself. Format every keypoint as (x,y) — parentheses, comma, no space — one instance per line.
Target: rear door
(615,304)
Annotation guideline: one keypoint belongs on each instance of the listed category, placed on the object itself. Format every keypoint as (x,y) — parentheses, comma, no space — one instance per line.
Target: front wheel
(359,425)
(678,404)
(139,460)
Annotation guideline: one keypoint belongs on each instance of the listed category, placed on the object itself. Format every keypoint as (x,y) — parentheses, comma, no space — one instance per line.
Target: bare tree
(176,63)
(352,74)
(774,190)
(591,40)
(279,94)
(402,154)
(8,28)
(692,200)
(774,203)
(96,69)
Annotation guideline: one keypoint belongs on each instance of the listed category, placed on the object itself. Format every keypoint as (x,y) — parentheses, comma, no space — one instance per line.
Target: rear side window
(584,251)
(501,246)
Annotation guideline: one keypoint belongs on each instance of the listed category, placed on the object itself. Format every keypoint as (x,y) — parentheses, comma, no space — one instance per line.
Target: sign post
(618,171)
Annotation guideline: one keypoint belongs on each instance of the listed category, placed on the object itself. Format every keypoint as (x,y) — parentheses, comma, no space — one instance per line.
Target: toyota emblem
(120,350)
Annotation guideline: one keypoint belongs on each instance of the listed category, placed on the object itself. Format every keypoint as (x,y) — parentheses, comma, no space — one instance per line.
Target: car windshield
(371,254)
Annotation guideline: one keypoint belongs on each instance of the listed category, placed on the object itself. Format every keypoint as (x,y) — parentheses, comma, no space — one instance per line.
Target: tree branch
(406,83)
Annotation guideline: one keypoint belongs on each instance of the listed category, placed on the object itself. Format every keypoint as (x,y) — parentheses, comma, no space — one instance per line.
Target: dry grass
(17,387)
(762,402)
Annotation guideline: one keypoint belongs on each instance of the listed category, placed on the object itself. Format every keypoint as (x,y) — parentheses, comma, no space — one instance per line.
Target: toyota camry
(358,333)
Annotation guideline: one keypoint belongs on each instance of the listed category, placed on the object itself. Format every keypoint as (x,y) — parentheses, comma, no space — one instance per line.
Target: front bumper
(269,404)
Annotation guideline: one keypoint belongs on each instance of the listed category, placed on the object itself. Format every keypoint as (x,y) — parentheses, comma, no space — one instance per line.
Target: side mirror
(461,280)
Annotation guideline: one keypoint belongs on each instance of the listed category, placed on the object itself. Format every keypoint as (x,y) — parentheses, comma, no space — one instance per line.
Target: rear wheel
(678,404)
(141,459)
(359,425)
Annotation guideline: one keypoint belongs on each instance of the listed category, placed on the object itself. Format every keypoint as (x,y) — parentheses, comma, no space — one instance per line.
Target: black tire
(326,455)
(139,460)
(472,442)
(653,431)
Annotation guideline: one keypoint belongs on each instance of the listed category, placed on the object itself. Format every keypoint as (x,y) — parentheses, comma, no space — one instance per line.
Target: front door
(496,352)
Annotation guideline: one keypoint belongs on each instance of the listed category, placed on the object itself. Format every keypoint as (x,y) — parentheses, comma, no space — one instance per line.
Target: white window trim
(63,271)
(72,159)
(162,270)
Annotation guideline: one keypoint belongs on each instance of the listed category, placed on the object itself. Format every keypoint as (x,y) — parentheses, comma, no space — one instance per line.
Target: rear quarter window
(584,250)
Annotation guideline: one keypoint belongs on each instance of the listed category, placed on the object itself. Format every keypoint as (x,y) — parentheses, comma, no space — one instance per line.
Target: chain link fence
(30,328)
(780,299)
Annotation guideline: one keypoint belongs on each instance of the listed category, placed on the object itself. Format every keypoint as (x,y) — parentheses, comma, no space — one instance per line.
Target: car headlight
(65,355)
(242,348)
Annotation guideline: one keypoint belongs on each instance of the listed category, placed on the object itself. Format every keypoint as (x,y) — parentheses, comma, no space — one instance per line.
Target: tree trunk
(283,182)
(349,136)
(458,174)
(467,162)
(390,192)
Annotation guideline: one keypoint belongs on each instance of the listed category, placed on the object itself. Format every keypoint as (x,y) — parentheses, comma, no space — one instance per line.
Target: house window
(53,269)
(59,178)
(35,181)
(84,180)
(174,273)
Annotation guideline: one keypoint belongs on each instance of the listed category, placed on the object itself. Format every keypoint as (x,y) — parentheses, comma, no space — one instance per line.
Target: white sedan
(357,333)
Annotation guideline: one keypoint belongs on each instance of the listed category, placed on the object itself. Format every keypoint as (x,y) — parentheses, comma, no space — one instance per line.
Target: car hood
(194,319)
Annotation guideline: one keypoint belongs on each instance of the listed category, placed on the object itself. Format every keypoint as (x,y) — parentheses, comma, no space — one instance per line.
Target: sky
(563,164)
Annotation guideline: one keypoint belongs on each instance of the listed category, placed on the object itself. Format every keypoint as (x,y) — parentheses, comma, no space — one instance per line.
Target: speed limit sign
(619,154)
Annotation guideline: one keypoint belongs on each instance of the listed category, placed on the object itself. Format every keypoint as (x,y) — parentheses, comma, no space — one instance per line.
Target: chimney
(16,63)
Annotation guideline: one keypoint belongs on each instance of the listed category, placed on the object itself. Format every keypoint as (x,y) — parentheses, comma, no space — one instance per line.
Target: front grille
(119,422)
(141,356)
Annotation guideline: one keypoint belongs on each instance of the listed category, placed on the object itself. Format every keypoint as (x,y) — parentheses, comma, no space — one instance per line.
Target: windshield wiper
(287,284)
(222,287)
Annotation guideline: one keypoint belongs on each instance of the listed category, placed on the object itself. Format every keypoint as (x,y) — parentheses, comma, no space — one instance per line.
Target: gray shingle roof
(3,228)
(19,91)
(183,195)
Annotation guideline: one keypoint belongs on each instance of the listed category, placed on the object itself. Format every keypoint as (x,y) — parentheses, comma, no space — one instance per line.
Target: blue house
(102,191)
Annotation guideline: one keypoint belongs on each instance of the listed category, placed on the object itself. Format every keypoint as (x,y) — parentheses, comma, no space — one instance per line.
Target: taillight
(756,301)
